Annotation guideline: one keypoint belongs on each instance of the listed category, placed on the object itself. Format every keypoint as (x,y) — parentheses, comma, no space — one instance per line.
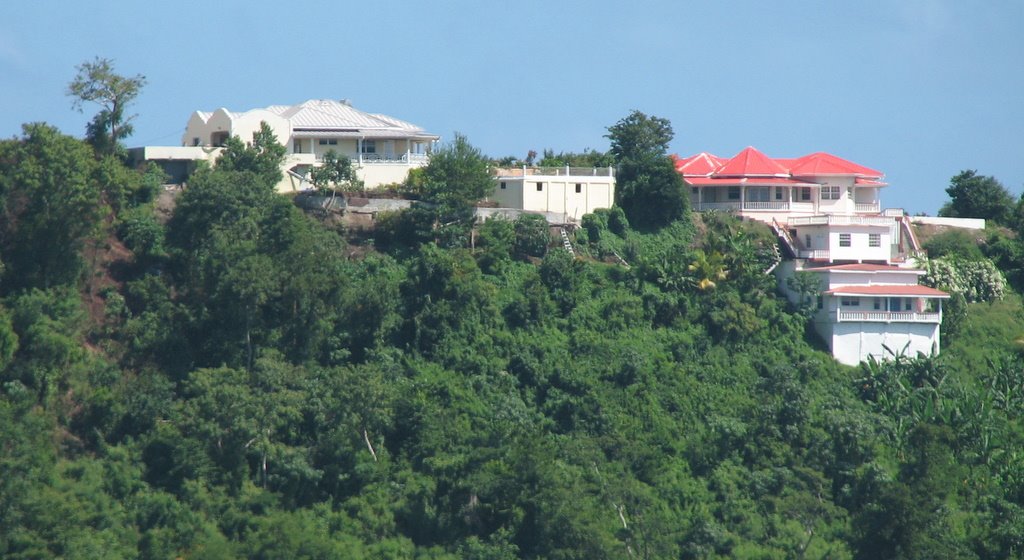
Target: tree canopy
(97,82)
(647,186)
(978,196)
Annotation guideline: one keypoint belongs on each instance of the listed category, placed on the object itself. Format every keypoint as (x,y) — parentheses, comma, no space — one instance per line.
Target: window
(805,194)
(369,147)
(878,303)
(297,146)
(328,141)
(829,193)
(693,190)
(778,193)
(734,193)
(849,193)
(579,188)
(757,194)
(807,241)
(821,301)
(849,301)
(874,240)
(195,141)
(503,184)
(540,187)
(844,239)
(908,304)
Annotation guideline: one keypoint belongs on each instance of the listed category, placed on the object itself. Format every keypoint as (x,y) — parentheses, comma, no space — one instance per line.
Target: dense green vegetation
(237,387)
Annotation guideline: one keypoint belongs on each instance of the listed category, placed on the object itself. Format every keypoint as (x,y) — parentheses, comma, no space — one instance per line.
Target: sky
(918,89)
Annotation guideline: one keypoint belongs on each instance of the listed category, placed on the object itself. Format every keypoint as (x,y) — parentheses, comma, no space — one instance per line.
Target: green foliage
(955,244)
(978,196)
(336,173)
(52,204)
(97,82)
(648,188)
(978,280)
(532,236)
(458,174)
(253,387)
(262,157)
(586,158)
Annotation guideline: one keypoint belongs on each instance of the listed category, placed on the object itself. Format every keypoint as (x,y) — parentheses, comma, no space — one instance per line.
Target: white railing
(814,254)
(565,171)
(841,220)
(864,207)
(889,316)
(765,205)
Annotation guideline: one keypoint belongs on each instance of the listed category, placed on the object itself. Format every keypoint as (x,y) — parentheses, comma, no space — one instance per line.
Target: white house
(570,191)
(827,215)
(382,148)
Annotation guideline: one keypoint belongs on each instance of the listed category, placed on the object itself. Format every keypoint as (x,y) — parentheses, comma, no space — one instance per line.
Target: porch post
(743,197)
(359,149)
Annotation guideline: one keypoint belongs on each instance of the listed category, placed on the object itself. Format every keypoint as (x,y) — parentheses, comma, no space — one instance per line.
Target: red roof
(888,290)
(821,163)
(750,181)
(702,164)
(751,162)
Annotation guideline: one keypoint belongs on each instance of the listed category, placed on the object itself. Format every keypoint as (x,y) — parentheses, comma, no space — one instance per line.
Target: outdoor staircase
(785,239)
(565,241)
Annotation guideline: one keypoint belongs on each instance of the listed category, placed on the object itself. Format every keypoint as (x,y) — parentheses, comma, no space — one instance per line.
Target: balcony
(842,220)
(867,207)
(750,205)
(889,316)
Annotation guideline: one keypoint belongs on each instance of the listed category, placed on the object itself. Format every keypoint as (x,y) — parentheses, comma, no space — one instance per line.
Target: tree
(97,82)
(52,206)
(648,188)
(458,174)
(335,173)
(263,156)
(978,196)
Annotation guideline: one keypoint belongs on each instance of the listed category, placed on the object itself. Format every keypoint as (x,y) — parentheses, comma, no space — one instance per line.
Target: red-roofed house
(826,213)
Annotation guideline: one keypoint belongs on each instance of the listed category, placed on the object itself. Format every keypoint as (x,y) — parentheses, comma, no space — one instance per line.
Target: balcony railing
(722,206)
(842,220)
(866,207)
(889,316)
(814,254)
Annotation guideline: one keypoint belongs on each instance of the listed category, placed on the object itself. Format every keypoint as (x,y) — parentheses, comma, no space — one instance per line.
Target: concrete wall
(854,342)
(963,223)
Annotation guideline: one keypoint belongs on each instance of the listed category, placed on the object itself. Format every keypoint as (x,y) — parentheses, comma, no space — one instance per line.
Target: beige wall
(557,194)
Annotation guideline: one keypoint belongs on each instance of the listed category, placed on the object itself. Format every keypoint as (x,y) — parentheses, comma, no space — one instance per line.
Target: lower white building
(871,310)
(571,191)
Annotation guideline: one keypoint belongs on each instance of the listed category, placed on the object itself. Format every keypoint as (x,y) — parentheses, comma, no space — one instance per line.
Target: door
(389,149)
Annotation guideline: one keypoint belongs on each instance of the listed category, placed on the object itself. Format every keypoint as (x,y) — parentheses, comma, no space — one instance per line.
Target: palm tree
(707,270)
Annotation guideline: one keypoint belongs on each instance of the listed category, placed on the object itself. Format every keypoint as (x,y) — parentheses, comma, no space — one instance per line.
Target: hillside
(256,388)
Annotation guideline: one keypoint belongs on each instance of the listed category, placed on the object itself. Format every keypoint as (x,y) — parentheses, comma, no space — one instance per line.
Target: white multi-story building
(827,215)
(383,149)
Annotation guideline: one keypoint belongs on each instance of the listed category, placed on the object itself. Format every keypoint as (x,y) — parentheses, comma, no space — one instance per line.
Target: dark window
(844,239)
(874,240)
(579,188)
(503,184)
(821,302)
(734,193)
(540,187)
(805,193)
(328,141)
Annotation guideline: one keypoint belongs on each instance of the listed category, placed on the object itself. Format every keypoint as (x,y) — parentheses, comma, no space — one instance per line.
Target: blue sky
(918,89)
